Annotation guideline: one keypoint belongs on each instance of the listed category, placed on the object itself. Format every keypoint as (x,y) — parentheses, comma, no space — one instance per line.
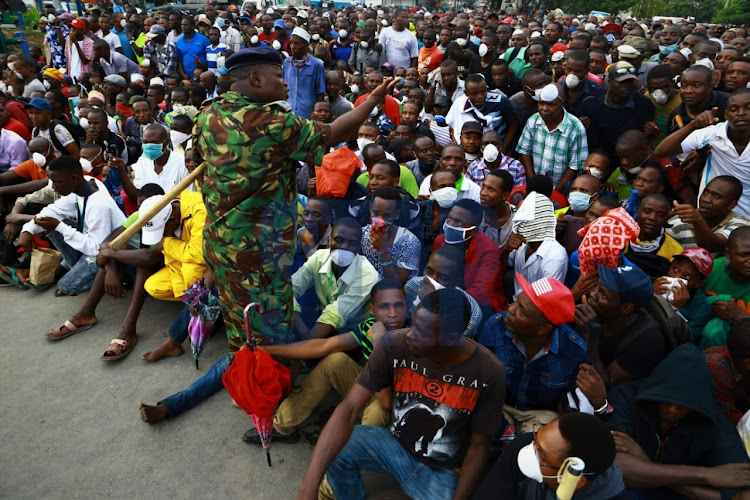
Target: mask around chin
(528,463)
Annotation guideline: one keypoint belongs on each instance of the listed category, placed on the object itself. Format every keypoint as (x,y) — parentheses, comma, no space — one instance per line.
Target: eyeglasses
(625,71)
(536,451)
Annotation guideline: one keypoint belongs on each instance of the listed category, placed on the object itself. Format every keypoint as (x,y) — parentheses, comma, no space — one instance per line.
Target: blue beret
(629,282)
(252,57)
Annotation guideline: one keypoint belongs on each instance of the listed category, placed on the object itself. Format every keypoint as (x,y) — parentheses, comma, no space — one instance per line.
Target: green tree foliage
(737,12)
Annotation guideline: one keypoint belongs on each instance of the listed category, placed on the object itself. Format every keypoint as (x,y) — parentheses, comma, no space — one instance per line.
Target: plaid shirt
(166,56)
(554,151)
(478,170)
(732,398)
(683,232)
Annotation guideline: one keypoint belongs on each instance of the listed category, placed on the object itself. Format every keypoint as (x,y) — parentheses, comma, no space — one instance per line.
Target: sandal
(12,278)
(60,293)
(120,348)
(58,334)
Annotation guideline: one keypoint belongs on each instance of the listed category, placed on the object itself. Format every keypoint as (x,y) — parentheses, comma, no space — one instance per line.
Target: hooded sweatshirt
(703,438)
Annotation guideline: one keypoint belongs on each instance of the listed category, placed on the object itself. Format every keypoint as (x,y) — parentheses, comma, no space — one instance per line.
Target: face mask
(46,84)
(84,123)
(572,81)
(254,40)
(660,97)
(705,62)
(316,37)
(86,165)
(39,159)
(384,22)
(436,286)
(74,101)
(535,94)
(342,258)
(461,41)
(220,22)
(528,463)
(579,202)
(276,45)
(364,44)
(595,172)
(400,82)
(177,107)
(475,40)
(19,75)
(490,153)
(455,235)
(153,151)
(445,197)
(362,142)
(665,50)
(343,33)
(12,66)
(374,112)
(178,138)
(355,89)
(483,49)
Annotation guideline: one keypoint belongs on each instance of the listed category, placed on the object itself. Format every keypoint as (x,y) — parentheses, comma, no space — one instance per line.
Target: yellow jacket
(184,255)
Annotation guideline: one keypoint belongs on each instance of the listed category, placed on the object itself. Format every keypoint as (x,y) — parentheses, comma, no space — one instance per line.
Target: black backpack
(78,133)
(673,326)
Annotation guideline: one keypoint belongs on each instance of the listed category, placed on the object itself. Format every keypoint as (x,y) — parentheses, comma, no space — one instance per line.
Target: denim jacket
(541,383)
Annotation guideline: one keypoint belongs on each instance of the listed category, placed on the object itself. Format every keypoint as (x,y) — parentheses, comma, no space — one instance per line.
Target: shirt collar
(348,276)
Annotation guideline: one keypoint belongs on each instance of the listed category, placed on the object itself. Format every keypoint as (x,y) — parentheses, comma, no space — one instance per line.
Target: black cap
(472,127)
(442,100)
(252,57)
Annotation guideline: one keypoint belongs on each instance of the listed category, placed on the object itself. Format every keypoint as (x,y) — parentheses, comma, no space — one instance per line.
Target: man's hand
(91,136)
(376,331)
(116,163)
(312,187)
(515,241)
(729,476)
(681,295)
(105,253)
(113,282)
(687,213)
(650,128)
(729,311)
(661,285)
(706,118)
(11,231)
(380,240)
(208,279)
(384,88)
(48,223)
(591,385)
(584,316)
(562,222)
(626,444)
(584,285)
(26,240)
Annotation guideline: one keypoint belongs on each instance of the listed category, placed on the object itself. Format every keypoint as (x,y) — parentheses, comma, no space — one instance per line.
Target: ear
(732,204)
(627,309)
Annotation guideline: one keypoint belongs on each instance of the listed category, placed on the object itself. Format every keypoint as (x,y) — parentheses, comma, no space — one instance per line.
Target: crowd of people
(506,240)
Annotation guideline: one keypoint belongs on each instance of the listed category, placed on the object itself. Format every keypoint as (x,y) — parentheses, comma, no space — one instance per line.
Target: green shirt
(719,283)
(406,181)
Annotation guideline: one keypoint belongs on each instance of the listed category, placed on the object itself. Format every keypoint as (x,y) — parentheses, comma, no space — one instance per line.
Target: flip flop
(56,333)
(12,278)
(122,347)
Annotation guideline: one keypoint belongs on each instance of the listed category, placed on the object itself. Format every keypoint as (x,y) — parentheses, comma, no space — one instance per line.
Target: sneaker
(252,437)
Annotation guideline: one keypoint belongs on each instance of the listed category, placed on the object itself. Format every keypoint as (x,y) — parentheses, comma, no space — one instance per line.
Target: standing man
(191,49)
(400,46)
(305,75)
(160,51)
(250,192)
(79,49)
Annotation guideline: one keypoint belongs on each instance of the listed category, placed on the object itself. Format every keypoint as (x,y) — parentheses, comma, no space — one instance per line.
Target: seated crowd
(536,247)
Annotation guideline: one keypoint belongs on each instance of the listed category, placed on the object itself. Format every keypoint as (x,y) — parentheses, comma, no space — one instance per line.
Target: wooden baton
(143,218)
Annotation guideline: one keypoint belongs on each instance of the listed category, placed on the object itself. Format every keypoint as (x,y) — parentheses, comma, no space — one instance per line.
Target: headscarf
(55,74)
(605,239)
(535,218)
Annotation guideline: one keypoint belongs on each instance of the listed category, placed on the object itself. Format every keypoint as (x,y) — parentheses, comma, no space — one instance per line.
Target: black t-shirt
(643,353)
(437,408)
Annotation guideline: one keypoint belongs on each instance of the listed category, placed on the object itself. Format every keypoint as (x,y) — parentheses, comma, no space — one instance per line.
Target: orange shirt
(391,108)
(431,58)
(30,171)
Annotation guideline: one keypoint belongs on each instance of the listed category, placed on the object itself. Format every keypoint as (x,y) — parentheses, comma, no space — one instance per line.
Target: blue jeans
(375,449)
(81,269)
(203,388)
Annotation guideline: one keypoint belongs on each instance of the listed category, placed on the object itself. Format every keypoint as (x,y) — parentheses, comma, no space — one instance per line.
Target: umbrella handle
(248,333)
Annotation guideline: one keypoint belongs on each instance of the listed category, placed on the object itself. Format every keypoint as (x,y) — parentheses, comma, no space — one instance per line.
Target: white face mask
(490,153)
(364,44)
(123,23)
(254,40)
(483,49)
(39,159)
(86,165)
(528,463)
(177,107)
(316,37)
(46,84)
(178,138)
(595,172)
(19,75)
(384,22)
(374,112)
(660,97)
(84,123)
(276,45)
(12,66)
(342,258)
(461,41)
(362,142)
(355,89)
(343,33)
(445,197)
(572,81)
(435,285)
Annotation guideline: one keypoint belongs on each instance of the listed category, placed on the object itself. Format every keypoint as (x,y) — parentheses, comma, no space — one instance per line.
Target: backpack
(673,326)
(78,133)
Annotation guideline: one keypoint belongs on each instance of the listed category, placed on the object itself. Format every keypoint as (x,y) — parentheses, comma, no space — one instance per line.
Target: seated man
(728,289)
(671,440)
(424,163)
(710,224)
(583,192)
(539,351)
(653,250)
(492,158)
(482,272)
(730,369)
(444,269)
(40,114)
(374,153)
(342,280)
(95,213)
(341,360)
(532,464)
(433,211)
(453,158)
(315,232)
(385,173)
(29,175)
(447,394)
(144,112)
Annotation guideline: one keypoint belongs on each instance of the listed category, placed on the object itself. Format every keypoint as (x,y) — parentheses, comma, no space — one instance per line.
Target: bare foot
(152,414)
(83,319)
(167,348)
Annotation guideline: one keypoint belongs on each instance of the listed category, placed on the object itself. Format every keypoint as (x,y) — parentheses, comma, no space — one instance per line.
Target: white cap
(558,56)
(153,231)
(136,77)
(156,81)
(301,33)
(535,34)
(302,13)
(589,26)
(628,52)
(549,93)
(270,10)
(519,32)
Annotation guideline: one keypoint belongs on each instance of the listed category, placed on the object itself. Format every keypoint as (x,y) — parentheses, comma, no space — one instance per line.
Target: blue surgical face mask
(153,151)
(665,50)
(74,101)
(220,22)
(579,202)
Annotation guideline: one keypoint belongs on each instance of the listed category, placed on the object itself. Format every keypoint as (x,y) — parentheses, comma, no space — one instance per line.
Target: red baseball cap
(558,47)
(78,24)
(702,258)
(551,297)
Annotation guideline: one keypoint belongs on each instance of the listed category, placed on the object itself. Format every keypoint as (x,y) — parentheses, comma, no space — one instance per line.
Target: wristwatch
(606,409)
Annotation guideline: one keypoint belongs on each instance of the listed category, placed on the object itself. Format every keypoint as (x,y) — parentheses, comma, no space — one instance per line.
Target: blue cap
(39,103)
(629,282)
(244,18)
(253,56)
(279,23)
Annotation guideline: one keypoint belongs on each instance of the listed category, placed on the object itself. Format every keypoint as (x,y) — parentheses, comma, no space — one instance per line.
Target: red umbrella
(257,382)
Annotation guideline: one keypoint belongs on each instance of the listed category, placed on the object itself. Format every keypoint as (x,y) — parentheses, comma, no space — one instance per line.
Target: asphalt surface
(70,425)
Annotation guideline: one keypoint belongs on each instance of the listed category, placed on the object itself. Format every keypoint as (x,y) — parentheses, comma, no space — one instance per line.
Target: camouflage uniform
(249,189)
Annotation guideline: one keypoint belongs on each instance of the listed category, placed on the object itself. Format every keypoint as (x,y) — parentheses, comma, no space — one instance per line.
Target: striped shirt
(683,232)
(478,170)
(362,335)
(554,151)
